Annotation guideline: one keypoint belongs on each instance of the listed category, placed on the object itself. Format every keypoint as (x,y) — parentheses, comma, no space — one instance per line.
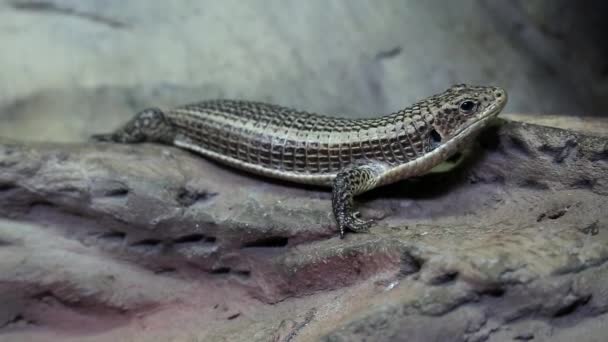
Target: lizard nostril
(498,93)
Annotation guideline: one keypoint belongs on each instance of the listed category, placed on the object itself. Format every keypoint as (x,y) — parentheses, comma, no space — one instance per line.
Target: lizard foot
(355,224)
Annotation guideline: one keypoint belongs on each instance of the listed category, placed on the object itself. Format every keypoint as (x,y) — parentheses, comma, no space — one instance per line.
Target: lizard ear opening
(435,137)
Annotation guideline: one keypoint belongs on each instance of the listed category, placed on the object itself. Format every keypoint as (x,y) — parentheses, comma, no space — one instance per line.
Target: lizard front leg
(347,184)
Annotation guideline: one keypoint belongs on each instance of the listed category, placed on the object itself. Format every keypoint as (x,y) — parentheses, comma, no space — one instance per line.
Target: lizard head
(463,108)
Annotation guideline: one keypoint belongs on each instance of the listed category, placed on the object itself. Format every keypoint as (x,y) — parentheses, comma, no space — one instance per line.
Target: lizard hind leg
(148,125)
(347,184)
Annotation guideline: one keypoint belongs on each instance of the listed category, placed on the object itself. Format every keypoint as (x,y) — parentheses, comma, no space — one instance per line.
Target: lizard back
(296,142)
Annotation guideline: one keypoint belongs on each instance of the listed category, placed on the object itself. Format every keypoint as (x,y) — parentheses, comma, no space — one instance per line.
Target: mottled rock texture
(152,242)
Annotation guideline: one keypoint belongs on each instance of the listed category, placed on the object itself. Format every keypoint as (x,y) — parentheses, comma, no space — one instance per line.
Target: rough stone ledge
(515,232)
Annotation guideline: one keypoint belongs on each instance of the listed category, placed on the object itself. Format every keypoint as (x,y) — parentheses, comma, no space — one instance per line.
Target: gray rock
(508,242)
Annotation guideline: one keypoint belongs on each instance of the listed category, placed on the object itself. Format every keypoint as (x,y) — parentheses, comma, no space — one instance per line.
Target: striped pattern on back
(283,139)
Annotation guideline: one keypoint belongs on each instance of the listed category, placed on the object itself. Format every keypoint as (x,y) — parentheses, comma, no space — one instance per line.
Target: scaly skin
(350,155)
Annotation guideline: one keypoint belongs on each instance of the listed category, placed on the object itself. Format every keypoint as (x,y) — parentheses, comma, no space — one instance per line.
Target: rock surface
(148,242)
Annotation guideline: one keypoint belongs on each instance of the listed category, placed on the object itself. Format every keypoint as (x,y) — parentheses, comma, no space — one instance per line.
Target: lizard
(351,156)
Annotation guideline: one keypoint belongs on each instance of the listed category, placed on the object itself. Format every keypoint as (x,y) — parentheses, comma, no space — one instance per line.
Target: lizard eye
(467,106)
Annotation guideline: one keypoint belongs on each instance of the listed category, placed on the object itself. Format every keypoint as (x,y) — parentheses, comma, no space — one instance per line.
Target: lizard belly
(321,179)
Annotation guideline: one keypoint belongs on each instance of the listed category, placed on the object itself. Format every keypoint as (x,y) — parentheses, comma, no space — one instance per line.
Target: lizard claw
(359,225)
(355,224)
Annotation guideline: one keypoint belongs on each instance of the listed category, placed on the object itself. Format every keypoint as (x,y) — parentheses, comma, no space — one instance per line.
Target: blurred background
(69,68)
